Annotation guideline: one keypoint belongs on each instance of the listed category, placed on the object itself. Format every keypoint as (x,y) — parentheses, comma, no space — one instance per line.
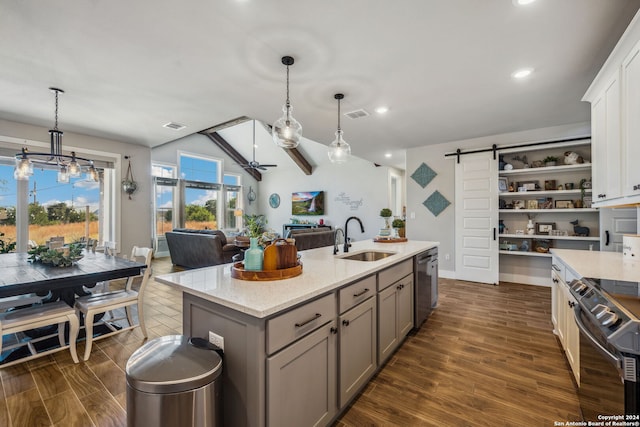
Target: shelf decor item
(564,204)
(550,161)
(129,185)
(399,225)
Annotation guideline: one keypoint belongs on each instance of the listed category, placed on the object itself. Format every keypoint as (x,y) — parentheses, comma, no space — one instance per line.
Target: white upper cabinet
(631,122)
(615,128)
(606,143)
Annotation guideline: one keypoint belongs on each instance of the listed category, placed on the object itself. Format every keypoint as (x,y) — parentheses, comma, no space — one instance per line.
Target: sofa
(310,238)
(191,248)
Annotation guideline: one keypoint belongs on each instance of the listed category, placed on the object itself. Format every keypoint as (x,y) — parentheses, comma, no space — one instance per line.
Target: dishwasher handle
(424,260)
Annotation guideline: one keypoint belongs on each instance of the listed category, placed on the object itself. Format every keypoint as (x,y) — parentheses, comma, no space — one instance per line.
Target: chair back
(143,255)
(110,248)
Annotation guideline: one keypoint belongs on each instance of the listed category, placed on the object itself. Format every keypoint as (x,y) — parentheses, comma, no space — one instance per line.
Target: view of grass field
(41,233)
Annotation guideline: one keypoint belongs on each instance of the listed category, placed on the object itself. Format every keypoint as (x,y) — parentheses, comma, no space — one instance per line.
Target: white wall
(426,226)
(134,216)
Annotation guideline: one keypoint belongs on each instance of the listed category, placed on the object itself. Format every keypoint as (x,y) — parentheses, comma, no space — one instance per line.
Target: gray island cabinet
(297,351)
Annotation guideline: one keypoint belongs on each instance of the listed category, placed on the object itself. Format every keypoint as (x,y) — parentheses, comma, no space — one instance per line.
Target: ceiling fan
(253,164)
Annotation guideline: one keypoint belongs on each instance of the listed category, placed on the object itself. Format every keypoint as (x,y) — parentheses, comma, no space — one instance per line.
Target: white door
(614,223)
(476,218)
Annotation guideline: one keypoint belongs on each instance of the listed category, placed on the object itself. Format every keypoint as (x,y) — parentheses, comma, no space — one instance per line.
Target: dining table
(19,275)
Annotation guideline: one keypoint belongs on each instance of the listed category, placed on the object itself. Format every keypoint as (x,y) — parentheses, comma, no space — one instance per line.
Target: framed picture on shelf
(546,203)
(550,185)
(528,185)
(564,204)
(502,185)
(532,204)
(544,227)
(518,204)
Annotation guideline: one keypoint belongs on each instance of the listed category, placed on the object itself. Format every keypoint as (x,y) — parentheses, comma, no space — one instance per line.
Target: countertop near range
(322,272)
(607,265)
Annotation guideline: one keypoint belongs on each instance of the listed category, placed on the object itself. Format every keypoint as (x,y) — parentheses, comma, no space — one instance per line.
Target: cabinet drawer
(558,267)
(288,327)
(356,293)
(394,273)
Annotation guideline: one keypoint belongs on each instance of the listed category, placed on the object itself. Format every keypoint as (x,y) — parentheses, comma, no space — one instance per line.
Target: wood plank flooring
(485,357)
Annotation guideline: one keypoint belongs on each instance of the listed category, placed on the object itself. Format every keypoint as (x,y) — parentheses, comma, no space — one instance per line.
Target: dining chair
(38,316)
(106,302)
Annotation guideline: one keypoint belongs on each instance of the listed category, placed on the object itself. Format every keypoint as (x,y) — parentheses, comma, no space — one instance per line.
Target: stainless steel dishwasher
(426,285)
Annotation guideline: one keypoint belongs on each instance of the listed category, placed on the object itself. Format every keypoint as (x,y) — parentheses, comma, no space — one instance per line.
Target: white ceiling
(442,66)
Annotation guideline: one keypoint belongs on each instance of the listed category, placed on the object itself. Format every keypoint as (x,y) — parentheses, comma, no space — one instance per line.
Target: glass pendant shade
(73,168)
(93,174)
(339,150)
(287,131)
(63,174)
(23,169)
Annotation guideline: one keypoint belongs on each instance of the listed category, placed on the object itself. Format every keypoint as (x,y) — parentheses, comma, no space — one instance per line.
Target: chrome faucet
(335,240)
(347,243)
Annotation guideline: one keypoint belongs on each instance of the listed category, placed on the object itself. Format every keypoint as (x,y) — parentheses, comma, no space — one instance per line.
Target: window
(73,210)
(232,208)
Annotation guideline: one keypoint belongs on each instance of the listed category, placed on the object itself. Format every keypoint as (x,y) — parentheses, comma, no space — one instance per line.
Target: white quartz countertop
(322,272)
(603,265)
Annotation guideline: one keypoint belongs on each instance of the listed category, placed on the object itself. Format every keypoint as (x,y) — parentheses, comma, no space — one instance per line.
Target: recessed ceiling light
(522,73)
(522,2)
(382,109)
(387,155)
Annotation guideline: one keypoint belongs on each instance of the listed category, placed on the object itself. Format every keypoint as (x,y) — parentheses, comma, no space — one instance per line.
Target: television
(307,203)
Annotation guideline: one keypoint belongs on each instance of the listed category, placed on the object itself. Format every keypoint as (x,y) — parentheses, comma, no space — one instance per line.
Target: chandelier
(69,166)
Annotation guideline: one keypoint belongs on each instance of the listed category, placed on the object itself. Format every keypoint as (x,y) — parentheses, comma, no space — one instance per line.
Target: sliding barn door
(477,218)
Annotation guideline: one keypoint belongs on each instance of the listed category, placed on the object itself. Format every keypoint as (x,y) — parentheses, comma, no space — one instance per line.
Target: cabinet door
(357,348)
(561,298)
(572,337)
(631,122)
(301,381)
(387,322)
(606,142)
(555,285)
(405,307)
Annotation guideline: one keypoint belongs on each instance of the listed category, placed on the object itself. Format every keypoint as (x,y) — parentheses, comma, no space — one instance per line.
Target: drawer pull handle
(300,325)
(359,294)
(345,322)
(555,267)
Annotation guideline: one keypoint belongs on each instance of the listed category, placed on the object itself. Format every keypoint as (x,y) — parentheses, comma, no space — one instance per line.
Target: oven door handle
(584,331)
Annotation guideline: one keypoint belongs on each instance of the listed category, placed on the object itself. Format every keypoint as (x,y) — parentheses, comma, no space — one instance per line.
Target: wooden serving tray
(238,272)
(398,240)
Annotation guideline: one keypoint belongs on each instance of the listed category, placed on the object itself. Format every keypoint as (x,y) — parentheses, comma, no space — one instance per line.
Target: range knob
(609,319)
(599,310)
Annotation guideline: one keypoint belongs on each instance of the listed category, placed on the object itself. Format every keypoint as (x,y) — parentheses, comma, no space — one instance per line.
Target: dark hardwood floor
(487,356)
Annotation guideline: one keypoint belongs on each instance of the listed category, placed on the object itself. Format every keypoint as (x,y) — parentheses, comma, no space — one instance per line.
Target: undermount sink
(367,255)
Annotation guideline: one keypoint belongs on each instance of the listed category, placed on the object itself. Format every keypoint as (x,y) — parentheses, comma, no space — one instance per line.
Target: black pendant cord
(494,148)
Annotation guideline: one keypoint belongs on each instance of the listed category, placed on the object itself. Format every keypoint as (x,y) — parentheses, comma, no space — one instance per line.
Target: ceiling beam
(231,152)
(227,124)
(299,160)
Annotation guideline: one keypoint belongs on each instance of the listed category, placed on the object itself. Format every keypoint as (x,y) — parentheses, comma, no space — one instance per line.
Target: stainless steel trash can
(172,382)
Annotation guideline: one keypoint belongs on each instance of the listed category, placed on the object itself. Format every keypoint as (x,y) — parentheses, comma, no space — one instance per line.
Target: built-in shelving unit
(559,185)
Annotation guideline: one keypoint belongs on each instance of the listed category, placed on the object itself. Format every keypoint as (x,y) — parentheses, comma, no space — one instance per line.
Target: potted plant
(400,226)
(386,214)
(550,160)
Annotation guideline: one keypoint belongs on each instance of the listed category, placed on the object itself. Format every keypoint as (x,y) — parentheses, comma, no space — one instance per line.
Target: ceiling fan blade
(269,166)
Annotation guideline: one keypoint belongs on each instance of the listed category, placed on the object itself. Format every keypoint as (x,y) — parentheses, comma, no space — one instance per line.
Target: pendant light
(287,131)
(339,150)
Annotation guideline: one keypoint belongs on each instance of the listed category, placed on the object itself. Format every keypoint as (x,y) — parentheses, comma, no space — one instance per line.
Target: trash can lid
(171,364)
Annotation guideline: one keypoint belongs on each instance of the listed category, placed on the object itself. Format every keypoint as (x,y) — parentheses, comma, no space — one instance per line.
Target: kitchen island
(298,350)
